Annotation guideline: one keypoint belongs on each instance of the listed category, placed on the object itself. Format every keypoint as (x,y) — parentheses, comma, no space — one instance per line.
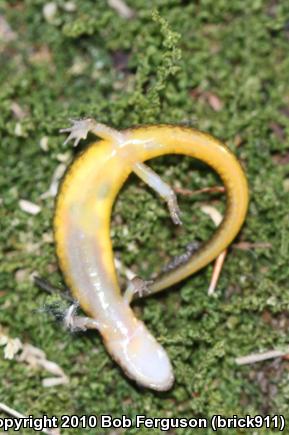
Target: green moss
(155,68)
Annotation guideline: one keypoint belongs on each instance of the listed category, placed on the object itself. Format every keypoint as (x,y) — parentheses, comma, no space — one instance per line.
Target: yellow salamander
(82,232)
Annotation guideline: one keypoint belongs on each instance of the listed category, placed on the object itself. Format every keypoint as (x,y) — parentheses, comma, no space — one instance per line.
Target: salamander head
(143,359)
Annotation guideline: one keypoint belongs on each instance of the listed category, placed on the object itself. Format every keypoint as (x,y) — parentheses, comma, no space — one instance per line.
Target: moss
(155,68)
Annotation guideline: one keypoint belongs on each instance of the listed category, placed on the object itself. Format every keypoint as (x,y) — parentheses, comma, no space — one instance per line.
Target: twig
(213,213)
(256,357)
(43,284)
(129,274)
(188,192)
(121,8)
(216,273)
(246,246)
(10,411)
(217,218)
(56,177)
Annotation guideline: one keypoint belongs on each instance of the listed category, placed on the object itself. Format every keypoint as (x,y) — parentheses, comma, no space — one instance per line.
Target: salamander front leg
(81,127)
(73,322)
(148,176)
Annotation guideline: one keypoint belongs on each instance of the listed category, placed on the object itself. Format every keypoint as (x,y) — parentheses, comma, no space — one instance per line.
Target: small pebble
(18,129)
(69,6)
(29,207)
(49,11)
(44,143)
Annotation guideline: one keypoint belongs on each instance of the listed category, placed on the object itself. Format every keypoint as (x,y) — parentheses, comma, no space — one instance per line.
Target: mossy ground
(90,61)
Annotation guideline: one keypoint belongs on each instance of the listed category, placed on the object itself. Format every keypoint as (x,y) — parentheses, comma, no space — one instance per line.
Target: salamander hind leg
(148,176)
(137,287)
(183,258)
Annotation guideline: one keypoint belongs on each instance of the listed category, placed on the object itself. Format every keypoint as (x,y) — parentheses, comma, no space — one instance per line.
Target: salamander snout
(143,359)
